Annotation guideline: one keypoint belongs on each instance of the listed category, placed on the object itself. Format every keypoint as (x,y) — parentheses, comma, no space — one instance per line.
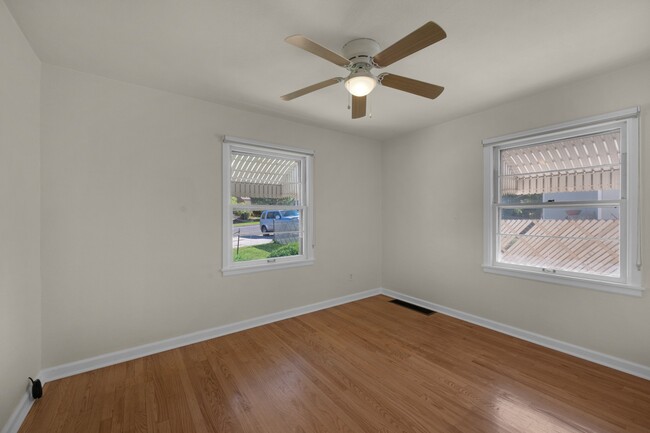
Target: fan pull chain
(369,107)
(349,101)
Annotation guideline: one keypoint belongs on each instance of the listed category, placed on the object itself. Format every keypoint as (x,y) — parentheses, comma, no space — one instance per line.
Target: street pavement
(249,235)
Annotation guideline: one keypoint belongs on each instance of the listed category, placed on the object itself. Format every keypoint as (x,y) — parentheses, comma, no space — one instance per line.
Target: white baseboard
(65,370)
(60,371)
(18,416)
(561,346)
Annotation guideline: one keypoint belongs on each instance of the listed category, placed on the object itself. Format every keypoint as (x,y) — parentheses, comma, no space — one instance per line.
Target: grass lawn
(265,251)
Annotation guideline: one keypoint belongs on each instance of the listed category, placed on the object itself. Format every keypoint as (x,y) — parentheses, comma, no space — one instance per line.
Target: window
(267,211)
(561,204)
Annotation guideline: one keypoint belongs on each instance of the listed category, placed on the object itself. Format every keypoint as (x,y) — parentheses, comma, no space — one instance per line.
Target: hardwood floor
(367,366)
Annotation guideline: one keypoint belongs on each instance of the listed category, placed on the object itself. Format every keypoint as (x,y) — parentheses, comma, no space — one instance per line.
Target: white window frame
(627,121)
(230,267)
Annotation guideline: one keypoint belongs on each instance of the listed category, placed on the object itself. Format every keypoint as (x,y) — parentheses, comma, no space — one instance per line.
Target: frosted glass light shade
(360,83)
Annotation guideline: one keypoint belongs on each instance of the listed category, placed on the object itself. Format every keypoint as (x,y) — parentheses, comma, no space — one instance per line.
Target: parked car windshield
(289,213)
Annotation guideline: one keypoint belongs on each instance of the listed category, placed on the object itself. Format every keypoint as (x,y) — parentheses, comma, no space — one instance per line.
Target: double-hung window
(561,204)
(267,210)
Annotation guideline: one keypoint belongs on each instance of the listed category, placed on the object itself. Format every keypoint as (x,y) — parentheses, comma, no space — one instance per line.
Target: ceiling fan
(360,56)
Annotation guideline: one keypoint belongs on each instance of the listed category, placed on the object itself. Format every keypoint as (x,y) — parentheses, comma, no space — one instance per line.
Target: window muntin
(267,210)
(562,203)
(536,229)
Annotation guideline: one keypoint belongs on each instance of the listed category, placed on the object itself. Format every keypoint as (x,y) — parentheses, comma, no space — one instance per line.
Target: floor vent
(413,307)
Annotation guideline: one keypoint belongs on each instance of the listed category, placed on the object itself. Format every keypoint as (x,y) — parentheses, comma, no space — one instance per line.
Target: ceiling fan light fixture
(362,55)
(360,82)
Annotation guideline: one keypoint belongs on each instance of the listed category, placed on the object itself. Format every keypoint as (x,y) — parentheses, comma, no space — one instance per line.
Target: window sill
(264,267)
(603,286)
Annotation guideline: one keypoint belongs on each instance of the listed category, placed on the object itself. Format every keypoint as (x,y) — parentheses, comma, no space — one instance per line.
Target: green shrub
(286,250)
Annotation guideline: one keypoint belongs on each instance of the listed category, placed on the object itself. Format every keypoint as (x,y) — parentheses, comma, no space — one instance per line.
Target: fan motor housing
(360,50)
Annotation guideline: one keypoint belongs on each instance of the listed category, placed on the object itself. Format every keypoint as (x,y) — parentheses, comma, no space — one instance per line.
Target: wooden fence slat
(577,252)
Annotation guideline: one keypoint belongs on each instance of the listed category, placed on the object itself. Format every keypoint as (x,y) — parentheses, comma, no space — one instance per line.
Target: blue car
(269,218)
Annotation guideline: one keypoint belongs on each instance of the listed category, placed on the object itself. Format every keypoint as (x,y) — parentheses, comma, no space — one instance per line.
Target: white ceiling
(232,51)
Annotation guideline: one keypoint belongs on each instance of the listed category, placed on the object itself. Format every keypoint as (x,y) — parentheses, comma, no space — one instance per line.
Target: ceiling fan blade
(428,34)
(302,42)
(309,89)
(410,85)
(358,107)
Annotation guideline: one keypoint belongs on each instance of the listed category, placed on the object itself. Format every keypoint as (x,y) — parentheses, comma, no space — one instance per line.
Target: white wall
(132,216)
(20,286)
(126,186)
(437,174)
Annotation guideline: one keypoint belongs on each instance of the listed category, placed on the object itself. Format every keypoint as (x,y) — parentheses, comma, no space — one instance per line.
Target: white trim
(226,212)
(238,140)
(489,224)
(58,372)
(587,121)
(65,370)
(262,207)
(309,244)
(630,280)
(561,346)
(18,415)
(230,267)
(100,361)
(603,286)
(265,267)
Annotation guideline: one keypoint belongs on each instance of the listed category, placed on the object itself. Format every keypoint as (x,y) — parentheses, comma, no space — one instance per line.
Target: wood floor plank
(317,400)
(227,386)
(363,367)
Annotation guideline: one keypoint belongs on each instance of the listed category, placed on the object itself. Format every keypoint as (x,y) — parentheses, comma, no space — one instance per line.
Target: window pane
(584,168)
(585,240)
(277,234)
(265,180)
